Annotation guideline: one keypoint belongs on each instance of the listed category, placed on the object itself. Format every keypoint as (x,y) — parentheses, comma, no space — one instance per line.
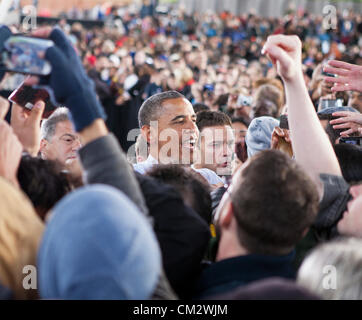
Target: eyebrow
(67,134)
(182,117)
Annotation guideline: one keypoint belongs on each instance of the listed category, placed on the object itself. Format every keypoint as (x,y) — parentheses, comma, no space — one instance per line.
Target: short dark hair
(198,107)
(43,182)
(274,202)
(244,120)
(207,119)
(193,188)
(349,157)
(150,109)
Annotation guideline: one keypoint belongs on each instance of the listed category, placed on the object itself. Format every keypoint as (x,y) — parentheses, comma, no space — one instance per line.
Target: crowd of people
(205,156)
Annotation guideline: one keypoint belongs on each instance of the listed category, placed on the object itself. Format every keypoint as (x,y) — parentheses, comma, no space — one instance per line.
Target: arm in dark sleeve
(104,162)
(333,204)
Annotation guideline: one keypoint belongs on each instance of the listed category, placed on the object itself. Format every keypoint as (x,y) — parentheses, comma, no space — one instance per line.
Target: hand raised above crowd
(26,125)
(285,52)
(349,76)
(10,153)
(68,80)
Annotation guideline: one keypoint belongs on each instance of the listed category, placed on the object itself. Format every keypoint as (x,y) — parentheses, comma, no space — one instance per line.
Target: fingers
(42,32)
(343,125)
(340,64)
(31,81)
(341,87)
(37,112)
(277,54)
(56,57)
(340,72)
(342,114)
(4,107)
(348,132)
(61,41)
(340,120)
(287,43)
(342,80)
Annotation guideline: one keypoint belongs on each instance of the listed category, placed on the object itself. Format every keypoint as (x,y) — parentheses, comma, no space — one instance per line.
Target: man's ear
(146,133)
(226,215)
(43,146)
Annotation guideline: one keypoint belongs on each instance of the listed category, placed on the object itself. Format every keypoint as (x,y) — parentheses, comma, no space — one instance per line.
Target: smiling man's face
(174,139)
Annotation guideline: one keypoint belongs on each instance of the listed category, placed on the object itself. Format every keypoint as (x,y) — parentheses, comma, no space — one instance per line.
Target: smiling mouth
(189,144)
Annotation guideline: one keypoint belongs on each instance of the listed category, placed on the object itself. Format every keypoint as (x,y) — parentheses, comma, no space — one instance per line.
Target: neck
(229,247)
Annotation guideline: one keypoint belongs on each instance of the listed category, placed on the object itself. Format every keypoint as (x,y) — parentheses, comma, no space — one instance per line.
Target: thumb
(37,112)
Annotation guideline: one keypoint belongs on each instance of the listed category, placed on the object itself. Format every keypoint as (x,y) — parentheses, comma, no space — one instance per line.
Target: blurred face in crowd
(355,100)
(63,145)
(175,138)
(217,149)
(240,130)
(351,223)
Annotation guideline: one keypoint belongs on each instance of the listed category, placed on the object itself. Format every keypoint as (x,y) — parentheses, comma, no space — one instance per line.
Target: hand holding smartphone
(26,97)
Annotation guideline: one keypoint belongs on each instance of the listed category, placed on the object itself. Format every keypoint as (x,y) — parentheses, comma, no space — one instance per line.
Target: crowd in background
(166,231)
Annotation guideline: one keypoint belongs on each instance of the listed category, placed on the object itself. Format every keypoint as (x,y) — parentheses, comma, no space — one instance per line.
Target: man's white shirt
(209,175)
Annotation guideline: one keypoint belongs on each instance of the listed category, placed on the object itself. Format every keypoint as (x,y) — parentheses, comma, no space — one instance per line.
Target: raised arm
(102,158)
(311,146)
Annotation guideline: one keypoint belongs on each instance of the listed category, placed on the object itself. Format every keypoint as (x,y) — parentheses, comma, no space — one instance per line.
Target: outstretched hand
(351,121)
(349,76)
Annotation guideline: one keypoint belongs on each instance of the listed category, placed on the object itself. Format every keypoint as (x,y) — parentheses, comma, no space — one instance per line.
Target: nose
(76,144)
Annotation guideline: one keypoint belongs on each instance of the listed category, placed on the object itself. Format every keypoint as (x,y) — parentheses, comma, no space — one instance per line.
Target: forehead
(176,107)
(64,127)
(239,126)
(218,132)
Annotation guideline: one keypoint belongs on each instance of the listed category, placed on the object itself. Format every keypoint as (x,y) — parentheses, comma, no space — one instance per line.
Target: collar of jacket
(230,273)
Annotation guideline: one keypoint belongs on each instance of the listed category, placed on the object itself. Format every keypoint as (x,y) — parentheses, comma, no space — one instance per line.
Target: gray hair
(341,259)
(151,108)
(49,125)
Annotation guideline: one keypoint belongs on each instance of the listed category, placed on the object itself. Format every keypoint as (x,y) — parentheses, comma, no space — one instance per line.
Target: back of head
(349,157)
(193,188)
(43,182)
(97,245)
(198,107)
(207,119)
(334,270)
(274,203)
(269,289)
(21,230)
(258,136)
(150,109)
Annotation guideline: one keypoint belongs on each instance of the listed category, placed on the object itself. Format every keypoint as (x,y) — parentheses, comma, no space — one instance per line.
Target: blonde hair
(20,233)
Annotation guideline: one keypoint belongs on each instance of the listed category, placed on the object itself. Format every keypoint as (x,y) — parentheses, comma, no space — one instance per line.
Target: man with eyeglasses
(59,141)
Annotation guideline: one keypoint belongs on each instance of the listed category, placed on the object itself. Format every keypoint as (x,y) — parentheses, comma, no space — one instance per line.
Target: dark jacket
(183,236)
(226,275)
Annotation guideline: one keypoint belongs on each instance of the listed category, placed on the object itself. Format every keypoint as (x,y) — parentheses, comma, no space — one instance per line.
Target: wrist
(94,131)
(85,109)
